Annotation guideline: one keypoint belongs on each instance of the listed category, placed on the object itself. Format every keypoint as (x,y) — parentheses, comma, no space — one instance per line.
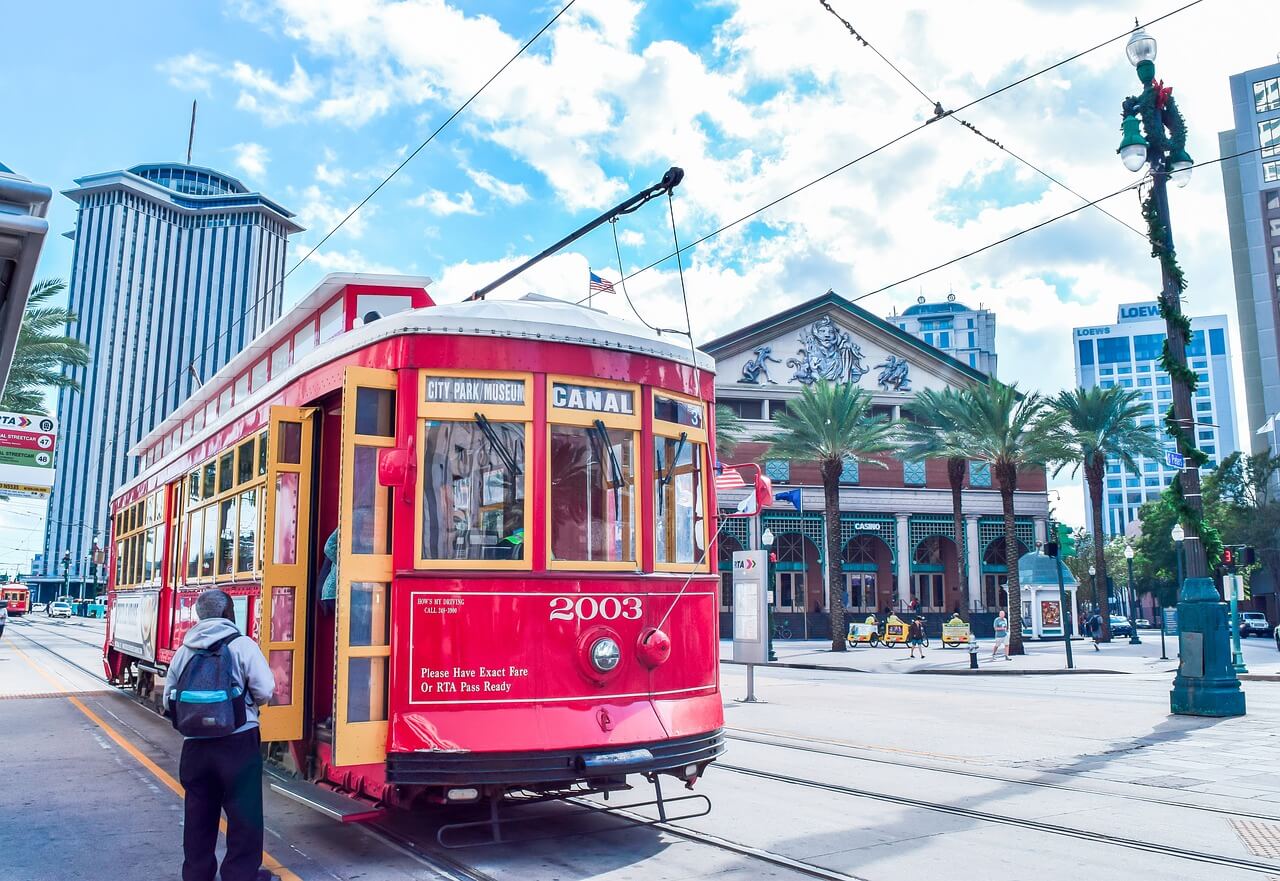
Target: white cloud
(512,194)
(319,213)
(439,203)
(328,172)
(275,102)
(349,261)
(251,158)
(191,72)
(633,238)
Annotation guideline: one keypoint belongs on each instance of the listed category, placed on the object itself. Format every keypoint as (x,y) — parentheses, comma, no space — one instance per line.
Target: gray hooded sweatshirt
(255,673)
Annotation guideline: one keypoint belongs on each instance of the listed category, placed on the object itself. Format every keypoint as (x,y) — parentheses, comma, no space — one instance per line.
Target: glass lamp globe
(1141,47)
(1134,156)
(1177,533)
(1180,165)
(1128,553)
(766,537)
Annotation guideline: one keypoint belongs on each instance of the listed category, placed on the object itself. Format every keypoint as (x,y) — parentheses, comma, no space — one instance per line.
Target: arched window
(929,551)
(861,549)
(726,547)
(791,548)
(995,554)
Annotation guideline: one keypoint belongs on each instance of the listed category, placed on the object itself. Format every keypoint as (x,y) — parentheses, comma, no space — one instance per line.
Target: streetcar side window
(474,471)
(679,486)
(592,482)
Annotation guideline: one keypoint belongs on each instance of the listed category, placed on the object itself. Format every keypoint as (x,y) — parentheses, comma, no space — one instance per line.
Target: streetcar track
(1005,820)
(979,775)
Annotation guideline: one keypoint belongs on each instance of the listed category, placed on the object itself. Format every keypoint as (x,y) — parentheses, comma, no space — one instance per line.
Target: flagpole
(589,288)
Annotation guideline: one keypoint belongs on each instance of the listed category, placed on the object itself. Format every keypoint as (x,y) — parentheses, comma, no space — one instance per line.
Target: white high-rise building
(1127,354)
(175,269)
(968,335)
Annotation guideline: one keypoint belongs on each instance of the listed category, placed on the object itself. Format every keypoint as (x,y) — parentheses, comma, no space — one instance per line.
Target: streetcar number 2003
(590,608)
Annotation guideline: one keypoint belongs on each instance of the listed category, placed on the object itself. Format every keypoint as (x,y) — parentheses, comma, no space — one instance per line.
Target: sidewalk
(1041,658)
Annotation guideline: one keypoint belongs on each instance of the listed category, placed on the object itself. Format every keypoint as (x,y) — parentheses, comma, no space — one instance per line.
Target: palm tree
(831,424)
(43,351)
(1104,423)
(1010,431)
(730,431)
(932,435)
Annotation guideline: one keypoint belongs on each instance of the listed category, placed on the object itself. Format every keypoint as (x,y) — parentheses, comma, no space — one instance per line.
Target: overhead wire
(939,113)
(385,180)
(903,136)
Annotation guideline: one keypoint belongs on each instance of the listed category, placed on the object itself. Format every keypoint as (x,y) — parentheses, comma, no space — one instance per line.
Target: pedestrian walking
(1002,636)
(915,637)
(4,616)
(214,685)
(1095,630)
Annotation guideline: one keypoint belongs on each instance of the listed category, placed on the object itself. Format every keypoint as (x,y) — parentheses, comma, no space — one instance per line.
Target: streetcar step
(342,808)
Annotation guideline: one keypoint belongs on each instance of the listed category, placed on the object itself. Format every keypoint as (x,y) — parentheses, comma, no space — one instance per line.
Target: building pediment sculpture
(894,374)
(827,352)
(759,366)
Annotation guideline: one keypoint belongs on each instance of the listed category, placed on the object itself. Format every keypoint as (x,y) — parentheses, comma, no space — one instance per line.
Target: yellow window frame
(673,430)
(586,419)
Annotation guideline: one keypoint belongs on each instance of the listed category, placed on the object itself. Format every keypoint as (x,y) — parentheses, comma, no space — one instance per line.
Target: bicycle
(781,631)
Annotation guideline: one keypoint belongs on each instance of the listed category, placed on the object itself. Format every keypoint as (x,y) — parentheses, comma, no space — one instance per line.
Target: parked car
(1143,622)
(59,609)
(1120,626)
(1253,623)
(39,607)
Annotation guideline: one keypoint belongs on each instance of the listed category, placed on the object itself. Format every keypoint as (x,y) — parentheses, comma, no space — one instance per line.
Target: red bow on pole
(1162,93)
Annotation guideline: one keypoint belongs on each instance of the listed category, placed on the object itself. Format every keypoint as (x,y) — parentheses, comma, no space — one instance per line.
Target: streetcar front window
(678,495)
(473,490)
(592,493)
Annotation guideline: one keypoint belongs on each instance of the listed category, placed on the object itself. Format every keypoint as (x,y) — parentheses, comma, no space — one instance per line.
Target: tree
(1010,431)
(1093,589)
(42,352)
(1239,500)
(1104,423)
(930,434)
(730,431)
(1155,567)
(830,424)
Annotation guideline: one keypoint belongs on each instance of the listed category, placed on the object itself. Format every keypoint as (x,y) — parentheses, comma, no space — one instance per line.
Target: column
(904,556)
(1041,527)
(974,560)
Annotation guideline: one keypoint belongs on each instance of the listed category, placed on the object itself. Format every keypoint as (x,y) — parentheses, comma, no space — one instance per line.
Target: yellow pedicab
(956,633)
(862,634)
(895,632)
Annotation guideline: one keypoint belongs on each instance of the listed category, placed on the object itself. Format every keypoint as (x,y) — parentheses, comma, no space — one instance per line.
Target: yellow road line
(268,861)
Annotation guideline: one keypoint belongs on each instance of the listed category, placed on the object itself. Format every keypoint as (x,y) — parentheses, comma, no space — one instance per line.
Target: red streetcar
(472,541)
(18,597)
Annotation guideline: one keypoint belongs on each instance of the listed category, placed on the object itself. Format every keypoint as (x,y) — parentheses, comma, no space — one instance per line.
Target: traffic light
(1248,556)
(1229,558)
(1066,541)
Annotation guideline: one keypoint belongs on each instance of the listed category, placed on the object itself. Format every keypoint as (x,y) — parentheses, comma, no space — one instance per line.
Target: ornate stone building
(896,531)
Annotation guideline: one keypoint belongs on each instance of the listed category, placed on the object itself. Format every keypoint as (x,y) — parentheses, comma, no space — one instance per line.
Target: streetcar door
(286,543)
(362,632)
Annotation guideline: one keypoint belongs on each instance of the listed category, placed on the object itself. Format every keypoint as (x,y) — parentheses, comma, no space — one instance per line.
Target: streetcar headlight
(605,654)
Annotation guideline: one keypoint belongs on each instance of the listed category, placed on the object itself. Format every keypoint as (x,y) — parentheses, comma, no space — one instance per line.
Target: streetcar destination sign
(592,399)
(474,390)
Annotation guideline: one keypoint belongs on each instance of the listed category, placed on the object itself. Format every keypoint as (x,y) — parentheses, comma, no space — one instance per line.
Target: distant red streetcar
(472,540)
(18,598)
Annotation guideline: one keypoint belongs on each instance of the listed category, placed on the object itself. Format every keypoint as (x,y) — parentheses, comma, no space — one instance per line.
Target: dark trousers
(222,774)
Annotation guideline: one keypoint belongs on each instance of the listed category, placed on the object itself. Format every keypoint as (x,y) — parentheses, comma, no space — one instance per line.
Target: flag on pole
(793,496)
(598,285)
(728,478)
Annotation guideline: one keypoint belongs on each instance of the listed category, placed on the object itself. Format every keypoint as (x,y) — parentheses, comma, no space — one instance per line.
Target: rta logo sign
(748,563)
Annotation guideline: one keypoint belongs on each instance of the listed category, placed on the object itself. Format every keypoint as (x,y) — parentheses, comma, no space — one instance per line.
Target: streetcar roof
(532,317)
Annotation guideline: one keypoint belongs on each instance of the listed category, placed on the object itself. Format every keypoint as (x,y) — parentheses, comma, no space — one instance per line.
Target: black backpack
(208,699)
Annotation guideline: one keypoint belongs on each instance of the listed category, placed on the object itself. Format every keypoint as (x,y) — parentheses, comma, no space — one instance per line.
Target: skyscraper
(1127,354)
(968,335)
(1252,186)
(175,268)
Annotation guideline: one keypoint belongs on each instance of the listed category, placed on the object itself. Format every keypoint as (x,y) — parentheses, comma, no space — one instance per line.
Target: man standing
(1002,636)
(224,772)
(4,615)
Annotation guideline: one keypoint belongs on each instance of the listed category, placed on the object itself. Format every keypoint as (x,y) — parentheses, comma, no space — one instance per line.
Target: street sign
(27,443)
(1170,621)
(1234,587)
(1175,460)
(750,606)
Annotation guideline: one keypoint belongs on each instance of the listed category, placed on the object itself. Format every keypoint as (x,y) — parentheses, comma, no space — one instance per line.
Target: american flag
(728,478)
(599,285)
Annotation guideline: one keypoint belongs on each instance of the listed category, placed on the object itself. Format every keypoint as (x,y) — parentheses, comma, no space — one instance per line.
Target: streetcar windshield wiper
(615,470)
(665,479)
(491,436)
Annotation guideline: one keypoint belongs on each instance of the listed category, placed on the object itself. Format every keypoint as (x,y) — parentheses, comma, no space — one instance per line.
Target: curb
(942,671)
(1259,677)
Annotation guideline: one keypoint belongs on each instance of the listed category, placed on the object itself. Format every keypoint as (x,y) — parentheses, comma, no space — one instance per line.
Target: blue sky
(313,101)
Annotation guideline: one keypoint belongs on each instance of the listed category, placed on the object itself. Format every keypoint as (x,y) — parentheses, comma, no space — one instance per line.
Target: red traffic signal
(1229,557)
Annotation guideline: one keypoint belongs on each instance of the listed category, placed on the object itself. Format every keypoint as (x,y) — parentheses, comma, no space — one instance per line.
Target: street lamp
(1133,598)
(66,574)
(766,539)
(1205,685)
